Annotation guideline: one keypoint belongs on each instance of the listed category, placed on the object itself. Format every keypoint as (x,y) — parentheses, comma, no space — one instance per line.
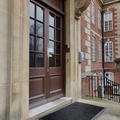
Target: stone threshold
(48,108)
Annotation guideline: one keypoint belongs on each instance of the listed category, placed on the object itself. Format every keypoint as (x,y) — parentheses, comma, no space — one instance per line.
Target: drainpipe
(102,43)
(103,62)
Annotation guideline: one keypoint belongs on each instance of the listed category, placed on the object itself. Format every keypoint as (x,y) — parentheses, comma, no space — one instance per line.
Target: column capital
(80,6)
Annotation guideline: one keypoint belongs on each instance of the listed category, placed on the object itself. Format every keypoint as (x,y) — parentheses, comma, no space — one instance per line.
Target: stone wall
(4,57)
(14,70)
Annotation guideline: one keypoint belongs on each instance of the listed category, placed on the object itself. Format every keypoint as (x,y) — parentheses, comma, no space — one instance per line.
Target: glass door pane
(51,40)
(36,36)
(54,40)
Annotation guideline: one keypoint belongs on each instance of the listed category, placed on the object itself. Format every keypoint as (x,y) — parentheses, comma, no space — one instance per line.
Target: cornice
(111,2)
(102,3)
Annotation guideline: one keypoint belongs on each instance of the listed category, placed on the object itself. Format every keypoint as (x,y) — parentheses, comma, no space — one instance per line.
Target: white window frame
(108,19)
(101,82)
(100,50)
(93,13)
(94,81)
(110,74)
(116,89)
(110,77)
(93,50)
(99,19)
(108,51)
(101,79)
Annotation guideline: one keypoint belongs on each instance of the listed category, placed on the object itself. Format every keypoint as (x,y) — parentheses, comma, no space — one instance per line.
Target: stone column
(18,91)
(70,33)
(4,79)
(78,49)
(80,6)
(74,8)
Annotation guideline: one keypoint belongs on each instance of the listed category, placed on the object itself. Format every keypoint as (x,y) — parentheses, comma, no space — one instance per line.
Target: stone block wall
(4,57)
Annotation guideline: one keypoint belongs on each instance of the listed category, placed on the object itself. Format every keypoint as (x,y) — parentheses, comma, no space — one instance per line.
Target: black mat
(75,111)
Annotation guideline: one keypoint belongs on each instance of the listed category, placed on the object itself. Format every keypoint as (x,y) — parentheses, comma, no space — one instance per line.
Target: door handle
(48,52)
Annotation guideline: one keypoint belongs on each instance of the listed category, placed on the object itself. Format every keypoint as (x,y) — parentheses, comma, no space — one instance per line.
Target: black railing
(101,87)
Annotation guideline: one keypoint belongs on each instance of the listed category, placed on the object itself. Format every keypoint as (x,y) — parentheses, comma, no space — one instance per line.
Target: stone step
(48,108)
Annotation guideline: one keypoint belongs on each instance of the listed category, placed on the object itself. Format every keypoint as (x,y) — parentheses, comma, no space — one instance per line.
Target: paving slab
(112,111)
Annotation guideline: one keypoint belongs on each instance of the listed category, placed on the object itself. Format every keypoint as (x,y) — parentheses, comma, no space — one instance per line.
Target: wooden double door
(46,54)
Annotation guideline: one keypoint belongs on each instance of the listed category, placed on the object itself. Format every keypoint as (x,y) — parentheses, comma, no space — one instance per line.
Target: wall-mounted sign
(81,57)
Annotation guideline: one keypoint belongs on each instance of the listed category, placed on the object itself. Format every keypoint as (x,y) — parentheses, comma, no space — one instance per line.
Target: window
(93,13)
(101,83)
(93,49)
(36,36)
(38,46)
(108,51)
(109,75)
(101,79)
(108,22)
(94,81)
(54,40)
(100,51)
(99,19)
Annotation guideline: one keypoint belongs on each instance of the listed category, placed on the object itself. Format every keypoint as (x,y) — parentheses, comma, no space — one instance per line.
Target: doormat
(76,111)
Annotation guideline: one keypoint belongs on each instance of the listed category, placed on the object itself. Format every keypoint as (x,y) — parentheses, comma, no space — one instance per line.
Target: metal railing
(101,87)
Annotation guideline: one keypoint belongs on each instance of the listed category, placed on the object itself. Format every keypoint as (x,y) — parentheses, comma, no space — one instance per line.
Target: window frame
(108,84)
(93,13)
(106,59)
(56,41)
(108,29)
(37,36)
(93,50)
(101,79)
(109,74)
(100,51)
(99,19)
(94,81)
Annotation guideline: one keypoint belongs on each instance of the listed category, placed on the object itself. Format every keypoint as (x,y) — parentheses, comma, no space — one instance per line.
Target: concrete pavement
(112,111)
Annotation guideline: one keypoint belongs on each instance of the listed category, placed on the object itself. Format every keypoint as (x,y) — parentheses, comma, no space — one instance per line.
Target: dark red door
(46,54)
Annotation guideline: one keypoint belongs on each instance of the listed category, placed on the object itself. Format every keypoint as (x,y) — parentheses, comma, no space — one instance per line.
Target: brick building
(101,39)
(112,38)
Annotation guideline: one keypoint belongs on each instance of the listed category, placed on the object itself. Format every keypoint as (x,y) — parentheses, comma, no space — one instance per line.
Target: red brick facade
(111,36)
(94,32)
(86,23)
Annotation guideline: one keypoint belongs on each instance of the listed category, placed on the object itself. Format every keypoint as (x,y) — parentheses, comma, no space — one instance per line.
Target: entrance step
(48,108)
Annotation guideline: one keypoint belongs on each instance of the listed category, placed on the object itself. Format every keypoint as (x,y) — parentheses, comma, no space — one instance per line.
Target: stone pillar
(4,79)
(18,60)
(78,49)
(70,33)
(74,8)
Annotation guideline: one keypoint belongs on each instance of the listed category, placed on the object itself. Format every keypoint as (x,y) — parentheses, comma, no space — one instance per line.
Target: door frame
(45,4)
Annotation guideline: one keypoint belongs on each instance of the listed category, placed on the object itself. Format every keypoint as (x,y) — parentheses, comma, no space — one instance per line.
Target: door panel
(55,75)
(46,54)
(55,84)
(37,71)
(37,87)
